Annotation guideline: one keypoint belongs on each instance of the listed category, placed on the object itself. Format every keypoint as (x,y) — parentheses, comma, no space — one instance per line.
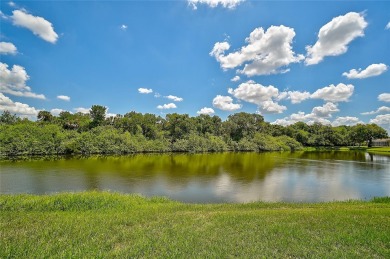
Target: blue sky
(289,60)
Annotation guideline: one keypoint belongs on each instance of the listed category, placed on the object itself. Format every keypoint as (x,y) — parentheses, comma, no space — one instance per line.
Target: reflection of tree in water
(180,170)
(174,168)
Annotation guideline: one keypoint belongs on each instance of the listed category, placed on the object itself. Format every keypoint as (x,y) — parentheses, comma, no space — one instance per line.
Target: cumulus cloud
(387,26)
(14,82)
(6,104)
(271,107)
(235,79)
(332,93)
(260,95)
(82,110)
(325,111)
(230,4)
(145,90)
(267,52)
(123,27)
(383,121)
(225,103)
(254,93)
(334,37)
(371,70)
(347,120)
(174,98)
(63,97)
(294,96)
(56,111)
(206,110)
(385,97)
(38,25)
(7,48)
(320,114)
(167,106)
(381,109)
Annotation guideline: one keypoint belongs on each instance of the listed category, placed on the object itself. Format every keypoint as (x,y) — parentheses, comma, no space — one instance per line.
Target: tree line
(95,133)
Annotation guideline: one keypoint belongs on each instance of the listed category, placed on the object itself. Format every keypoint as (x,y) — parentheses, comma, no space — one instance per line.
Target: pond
(209,178)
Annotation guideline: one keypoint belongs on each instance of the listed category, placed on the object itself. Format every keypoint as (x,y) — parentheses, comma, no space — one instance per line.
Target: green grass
(336,148)
(379,150)
(94,224)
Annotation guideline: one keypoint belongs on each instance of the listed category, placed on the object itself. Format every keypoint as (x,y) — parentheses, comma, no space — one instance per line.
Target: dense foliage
(95,133)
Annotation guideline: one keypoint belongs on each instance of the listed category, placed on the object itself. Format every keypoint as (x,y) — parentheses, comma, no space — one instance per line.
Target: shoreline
(372,150)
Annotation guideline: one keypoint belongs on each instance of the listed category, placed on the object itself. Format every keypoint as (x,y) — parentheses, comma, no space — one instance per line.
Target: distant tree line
(133,132)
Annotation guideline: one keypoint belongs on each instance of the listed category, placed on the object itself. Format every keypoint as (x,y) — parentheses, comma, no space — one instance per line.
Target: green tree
(206,124)
(7,118)
(45,116)
(98,115)
(178,126)
(243,124)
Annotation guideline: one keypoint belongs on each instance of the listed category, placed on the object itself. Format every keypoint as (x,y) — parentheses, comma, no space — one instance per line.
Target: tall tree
(45,116)
(7,118)
(243,124)
(98,114)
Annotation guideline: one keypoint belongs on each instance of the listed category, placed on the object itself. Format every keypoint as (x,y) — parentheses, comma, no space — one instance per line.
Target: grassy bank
(379,150)
(112,225)
(336,148)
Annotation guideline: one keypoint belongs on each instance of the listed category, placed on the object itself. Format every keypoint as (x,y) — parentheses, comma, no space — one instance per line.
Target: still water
(209,178)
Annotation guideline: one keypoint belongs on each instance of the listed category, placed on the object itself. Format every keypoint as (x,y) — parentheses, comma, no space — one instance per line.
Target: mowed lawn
(96,224)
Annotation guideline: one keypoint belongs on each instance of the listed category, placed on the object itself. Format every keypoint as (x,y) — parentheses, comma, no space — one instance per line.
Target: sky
(311,61)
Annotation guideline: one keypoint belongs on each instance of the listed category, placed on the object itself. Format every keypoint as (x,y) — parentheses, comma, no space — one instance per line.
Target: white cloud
(347,121)
(381,109)
(123,27)
(325,111)
(267,52)
(167,106)
(206,110)
(235,79)
(387,26)
(38,25)
(3,16)
(82,110)
(271,107)
(14,82)
(383,121)
(332,93)
(258,94)
(334,37)
(371,70)
(294,96)
(174,98)
(319,114)
(283,122)
(12,4)
(108,115)
(7,48)
(225,103)
(230,4)
(254,93)
(6,104)
(63,97)
(56,111)
(145,90)
(385,97)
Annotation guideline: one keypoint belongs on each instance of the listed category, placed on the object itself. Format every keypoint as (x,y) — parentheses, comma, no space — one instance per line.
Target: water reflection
(220,177)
